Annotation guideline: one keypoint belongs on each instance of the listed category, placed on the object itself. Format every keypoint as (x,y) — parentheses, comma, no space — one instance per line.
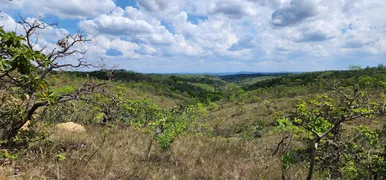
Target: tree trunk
(312,160)
(14,129)
(16,125)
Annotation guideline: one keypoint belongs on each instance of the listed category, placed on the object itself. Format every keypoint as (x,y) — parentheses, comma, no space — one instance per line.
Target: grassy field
(232,137)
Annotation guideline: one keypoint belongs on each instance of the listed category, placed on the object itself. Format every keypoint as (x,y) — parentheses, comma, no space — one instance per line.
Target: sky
(196,36)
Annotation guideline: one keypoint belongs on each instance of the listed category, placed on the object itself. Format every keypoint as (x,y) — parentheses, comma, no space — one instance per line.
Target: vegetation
(23,73)
(319,125)
(247,79)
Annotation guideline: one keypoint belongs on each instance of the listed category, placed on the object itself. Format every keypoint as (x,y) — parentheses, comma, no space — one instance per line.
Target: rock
(70,127)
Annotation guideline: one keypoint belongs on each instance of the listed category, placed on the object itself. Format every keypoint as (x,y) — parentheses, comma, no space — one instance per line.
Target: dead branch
(279,144)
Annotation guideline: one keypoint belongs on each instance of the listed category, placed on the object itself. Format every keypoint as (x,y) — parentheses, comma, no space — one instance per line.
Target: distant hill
(220,74)
(202,88)
(346,77)
(238,77)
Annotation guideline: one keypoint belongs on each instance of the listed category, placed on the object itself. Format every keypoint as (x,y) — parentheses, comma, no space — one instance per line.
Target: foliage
(244,78)
(196,88)
(176,122)
(319,124)
(20,81)
(289,158)
(23,76)
(364,154)
(313,82)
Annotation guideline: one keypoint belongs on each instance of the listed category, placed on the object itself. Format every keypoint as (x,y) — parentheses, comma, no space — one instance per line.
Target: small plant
(175,122)
(289,158)
(253,131)
(213,106)
(60,157)
(240,110)
(5,154)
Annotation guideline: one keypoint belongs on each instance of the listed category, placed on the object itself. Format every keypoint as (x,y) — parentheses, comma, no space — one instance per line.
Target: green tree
(319,121)
(23,72)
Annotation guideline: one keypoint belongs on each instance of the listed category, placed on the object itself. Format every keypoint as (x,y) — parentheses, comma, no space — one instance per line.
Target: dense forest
(315,125)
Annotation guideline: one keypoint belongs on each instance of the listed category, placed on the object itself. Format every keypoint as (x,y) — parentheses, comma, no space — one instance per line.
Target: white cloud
(69,9)
(238,35)
(234,9)
(159,5)
(136,26)
(298,11)
(213,34)
(49,34)
(129,22)
(116,25)
(9,23)
(317,31)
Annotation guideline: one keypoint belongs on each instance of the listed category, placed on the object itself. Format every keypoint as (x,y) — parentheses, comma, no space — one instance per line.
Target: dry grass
(230,118)
(122,156)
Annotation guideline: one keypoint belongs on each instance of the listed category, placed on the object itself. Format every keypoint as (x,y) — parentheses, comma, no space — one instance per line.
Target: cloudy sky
(216,35)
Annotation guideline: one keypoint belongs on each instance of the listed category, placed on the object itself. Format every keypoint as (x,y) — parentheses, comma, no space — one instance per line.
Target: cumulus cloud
(159,5)
(360,38)
(233,9)
(318,31)
(295,13)
(243,43)
(216,34)
(69,9)
(50,34)
(132,23)
(116,25)
(9,24)
(270,3)
(135,26)
(202,35)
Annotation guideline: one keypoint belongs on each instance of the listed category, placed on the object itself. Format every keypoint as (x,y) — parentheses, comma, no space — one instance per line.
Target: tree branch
(279,144)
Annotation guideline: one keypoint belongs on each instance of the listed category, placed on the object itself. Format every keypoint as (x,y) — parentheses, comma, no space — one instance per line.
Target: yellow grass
(122,156)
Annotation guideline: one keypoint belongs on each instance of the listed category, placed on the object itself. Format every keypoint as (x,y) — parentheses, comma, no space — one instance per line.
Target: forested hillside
(318,125)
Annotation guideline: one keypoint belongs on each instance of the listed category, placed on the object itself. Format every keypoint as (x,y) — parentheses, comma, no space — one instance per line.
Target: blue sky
(215,36)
